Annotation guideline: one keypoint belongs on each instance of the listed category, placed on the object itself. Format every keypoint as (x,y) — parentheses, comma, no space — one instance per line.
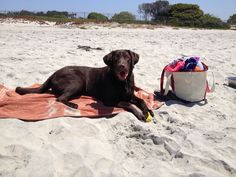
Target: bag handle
(167,88)
(212,89)
(165,91)
(208,89)
(162,80)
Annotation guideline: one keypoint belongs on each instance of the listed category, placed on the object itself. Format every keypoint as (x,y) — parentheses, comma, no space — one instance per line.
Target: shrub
(123,17)
(209,21)
(3,15)
(25,13)
(40,14)
(97,16)
(185,15)
(232,19)
(57,14)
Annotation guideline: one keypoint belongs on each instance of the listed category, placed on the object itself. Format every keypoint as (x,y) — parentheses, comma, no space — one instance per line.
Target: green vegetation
(188,15)
(56,14)
(158,12)
(97,16)
(209,21)
(185,15)
(232,19)
(53,14)
(123,17)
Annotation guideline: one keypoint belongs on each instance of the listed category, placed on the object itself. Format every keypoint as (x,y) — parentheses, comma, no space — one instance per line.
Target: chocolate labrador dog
(113,84)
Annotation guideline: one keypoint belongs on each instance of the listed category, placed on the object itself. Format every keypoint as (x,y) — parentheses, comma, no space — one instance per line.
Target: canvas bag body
(188,86)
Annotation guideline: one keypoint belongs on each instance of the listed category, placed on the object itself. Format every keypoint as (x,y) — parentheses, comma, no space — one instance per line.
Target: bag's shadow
(171,99)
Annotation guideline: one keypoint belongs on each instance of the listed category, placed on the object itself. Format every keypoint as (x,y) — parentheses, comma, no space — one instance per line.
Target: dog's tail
(43,88)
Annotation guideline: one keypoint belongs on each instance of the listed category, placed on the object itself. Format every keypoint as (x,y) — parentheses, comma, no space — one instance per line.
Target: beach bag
(190,86)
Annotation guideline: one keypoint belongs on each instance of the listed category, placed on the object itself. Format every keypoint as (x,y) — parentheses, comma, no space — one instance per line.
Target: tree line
(158,12)
(54,14)
(182,15)
(122,17)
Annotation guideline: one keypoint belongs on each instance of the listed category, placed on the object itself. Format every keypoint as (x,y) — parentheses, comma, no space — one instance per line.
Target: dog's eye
(127,56)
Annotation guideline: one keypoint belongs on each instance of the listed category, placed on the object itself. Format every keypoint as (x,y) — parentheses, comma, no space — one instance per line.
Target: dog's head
(121,63)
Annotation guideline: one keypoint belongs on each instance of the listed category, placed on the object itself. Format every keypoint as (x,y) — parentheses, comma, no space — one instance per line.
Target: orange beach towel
(32,107)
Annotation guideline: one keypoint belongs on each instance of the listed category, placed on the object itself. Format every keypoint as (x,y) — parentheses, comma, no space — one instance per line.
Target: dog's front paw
(140,116)
(145,116)
(151,113)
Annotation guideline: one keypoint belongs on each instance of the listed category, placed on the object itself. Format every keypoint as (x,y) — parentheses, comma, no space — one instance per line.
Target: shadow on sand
(171,99)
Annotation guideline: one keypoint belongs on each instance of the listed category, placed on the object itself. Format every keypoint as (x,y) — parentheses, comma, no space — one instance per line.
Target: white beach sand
(187,141)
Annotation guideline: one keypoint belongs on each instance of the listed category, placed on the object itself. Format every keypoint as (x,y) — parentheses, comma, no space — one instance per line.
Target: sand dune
(187,140)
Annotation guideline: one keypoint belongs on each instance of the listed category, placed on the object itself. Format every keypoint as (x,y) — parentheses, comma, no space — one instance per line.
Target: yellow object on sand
(149,117)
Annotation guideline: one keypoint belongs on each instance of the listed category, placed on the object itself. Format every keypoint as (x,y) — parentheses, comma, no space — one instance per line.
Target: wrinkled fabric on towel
(34,107)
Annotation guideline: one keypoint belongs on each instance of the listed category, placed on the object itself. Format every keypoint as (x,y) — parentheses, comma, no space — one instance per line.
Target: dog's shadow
(171,99)
(102,110)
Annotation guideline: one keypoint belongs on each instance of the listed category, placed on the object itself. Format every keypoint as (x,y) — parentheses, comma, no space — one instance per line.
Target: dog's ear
(134,56)
(108,58)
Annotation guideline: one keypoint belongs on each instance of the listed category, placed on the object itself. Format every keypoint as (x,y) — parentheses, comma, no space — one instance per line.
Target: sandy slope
(193,140)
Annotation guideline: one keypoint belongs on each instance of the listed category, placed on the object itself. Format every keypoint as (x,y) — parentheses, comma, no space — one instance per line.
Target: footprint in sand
(214,136)
(166,115)
(86,129)
(102,165)
(16,157)
(230,130)
(72,164)
(10,75)
(196,175)
(83,171)
(172,147)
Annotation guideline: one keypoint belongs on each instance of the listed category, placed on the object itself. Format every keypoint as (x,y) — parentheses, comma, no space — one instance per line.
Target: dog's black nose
(121,67)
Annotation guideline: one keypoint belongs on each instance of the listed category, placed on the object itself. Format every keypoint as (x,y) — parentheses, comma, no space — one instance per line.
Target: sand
(187,141)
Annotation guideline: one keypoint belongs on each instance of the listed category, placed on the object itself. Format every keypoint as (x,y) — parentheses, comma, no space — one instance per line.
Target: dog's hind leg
(68,95)
(43,88)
